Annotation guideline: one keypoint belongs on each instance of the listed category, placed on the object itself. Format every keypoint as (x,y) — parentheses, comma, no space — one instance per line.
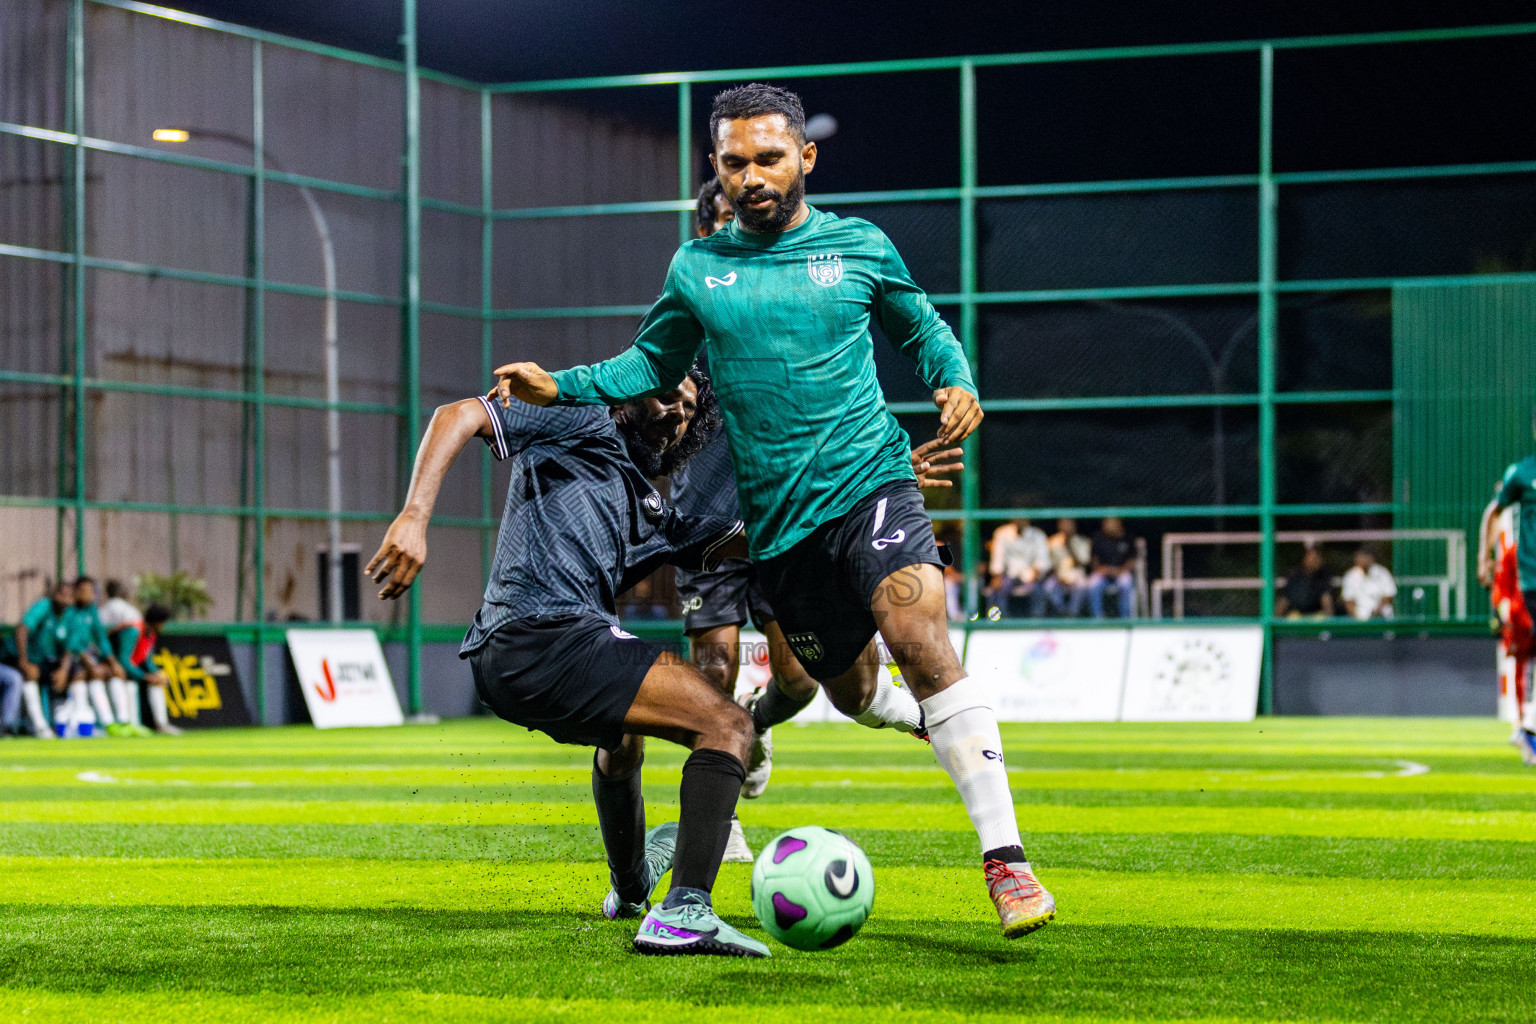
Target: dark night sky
(503,40)
(1340,108)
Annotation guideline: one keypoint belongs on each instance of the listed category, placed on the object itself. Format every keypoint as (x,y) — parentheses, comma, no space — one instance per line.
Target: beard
(777,216)
(649,457)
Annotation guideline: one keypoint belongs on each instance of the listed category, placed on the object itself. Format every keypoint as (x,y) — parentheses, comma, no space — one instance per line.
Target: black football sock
(621,819)
(711,783)
(775,706)
(1006,854)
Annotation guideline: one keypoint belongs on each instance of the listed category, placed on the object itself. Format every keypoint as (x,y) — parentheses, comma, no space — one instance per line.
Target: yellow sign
(190,683)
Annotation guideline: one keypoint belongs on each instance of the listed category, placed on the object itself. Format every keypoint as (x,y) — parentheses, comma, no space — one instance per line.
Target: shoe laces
(1015,883)
(693,909)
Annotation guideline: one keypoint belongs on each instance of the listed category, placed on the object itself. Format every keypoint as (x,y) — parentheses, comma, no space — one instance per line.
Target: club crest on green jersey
(825,268)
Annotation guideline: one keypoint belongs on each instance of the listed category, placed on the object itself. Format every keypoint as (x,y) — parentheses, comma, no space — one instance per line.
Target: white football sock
(77,708)
(892,706)
(101,703)
(963,730)
(117,689)
(135,716)
(157,709)
(32,699)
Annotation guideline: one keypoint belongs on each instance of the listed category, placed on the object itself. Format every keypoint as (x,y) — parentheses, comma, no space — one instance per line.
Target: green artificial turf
(1288,869)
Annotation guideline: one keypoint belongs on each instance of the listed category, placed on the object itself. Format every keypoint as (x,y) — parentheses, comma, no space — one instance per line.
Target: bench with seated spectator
(1114,566)
(1021,560)
(1066,589)
(1308,589)
(1368,588)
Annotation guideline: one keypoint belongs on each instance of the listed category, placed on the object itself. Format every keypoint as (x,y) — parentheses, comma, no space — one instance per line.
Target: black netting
(563,342)
(145,211)
(450,258)
(582,261)
(1188,236)
(893,131)
(589,146)
(1332,340)
(32,175)
(898,375)
(366,237)
(1382,106)
(31,315)
(926,234)
(450,143)
(161,330)
(368,346)
(1051,350)
(1334,453)
(1401,228)
(1096,120)
(1120,457)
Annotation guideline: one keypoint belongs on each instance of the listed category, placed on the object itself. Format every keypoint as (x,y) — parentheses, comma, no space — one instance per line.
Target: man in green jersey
(94,663)
(1518,487)
(784,298)
(36,650)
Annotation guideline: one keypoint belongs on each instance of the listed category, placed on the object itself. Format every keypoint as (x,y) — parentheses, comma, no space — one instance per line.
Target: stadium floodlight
(332,388)
(820,128)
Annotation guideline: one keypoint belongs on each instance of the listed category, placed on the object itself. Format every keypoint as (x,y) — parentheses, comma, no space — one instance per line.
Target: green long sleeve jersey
(785,317)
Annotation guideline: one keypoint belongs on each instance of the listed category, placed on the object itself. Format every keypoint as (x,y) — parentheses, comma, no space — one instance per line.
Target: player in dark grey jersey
(582,523)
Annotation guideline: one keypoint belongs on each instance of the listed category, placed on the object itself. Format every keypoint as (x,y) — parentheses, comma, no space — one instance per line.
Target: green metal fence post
(684,158)
(487,246)
(1268,326)
(76,119)
(411,339)
(258,299)
(970,484)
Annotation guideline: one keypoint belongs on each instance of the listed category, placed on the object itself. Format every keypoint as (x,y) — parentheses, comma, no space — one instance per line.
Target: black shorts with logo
(728,596)
(821,588)
(572,676)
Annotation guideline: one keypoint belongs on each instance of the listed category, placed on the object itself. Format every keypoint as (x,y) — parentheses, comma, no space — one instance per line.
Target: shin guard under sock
(963,730)
(621,819)
(711,783)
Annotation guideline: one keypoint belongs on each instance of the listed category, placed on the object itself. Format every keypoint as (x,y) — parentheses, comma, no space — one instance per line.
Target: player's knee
(730,729)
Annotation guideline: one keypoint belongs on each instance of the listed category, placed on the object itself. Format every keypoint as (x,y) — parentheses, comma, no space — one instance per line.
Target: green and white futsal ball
(812,888)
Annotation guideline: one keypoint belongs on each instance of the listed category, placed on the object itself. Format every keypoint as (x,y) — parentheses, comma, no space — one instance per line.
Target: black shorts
(571,676)
(821,588)
(729,596)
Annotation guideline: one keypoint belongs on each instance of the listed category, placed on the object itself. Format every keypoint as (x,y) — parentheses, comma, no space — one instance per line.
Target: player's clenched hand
(401,556)
(931,459)
(959,414)
(527,382)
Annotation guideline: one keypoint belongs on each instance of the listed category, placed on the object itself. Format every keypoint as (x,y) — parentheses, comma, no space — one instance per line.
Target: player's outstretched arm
(526,382)
(931,461)
(1485,538)
(959,414)
(404,550)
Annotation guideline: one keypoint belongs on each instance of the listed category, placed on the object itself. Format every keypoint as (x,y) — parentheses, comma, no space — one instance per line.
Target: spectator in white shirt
(1021,560)
(1368,588)
(1071,554)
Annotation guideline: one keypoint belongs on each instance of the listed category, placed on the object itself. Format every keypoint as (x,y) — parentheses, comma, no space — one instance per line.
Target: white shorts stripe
(879,517)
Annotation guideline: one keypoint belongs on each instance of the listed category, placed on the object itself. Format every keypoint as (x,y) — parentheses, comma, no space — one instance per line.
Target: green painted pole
(1268,329)
(970,481)
(259,368)
(684,159)
(77,276)
(487,247)
(411,328)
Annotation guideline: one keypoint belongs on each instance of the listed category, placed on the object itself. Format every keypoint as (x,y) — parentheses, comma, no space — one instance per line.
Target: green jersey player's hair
(757,100)
(704,209)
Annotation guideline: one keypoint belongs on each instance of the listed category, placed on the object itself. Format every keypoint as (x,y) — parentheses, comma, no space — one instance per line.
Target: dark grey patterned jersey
(706,485)
(581,524)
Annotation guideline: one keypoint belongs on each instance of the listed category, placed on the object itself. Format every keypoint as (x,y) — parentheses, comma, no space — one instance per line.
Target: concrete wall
(323,117)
